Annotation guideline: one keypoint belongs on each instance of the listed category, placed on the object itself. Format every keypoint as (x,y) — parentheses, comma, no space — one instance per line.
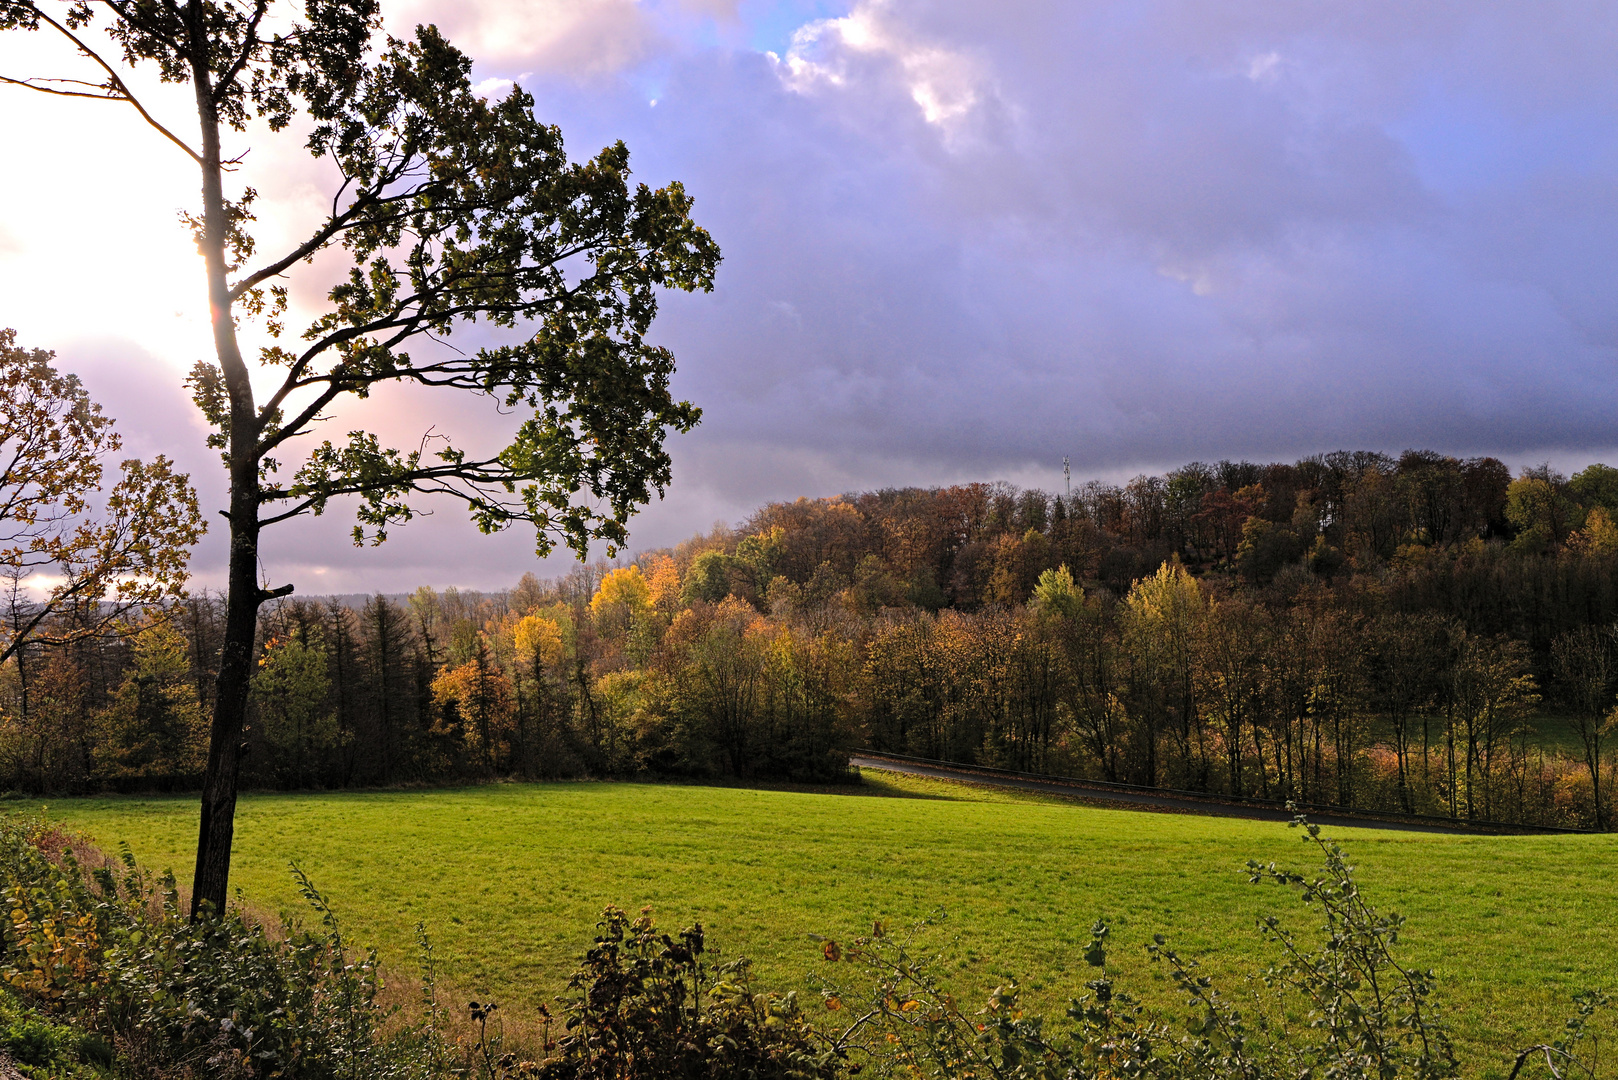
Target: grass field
(509,880)
(1554,731)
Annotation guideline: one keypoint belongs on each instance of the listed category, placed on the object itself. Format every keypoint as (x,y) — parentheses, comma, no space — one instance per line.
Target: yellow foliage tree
(626,588)
(1161,618)
(1599,535)
(665,586)
(539,642)
(1169,602)
(476,697)
(1058,594)
(623,612)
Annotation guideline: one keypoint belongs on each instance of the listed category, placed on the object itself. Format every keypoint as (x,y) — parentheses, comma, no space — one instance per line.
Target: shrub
(119,961)
(646,1006)
(42,1048)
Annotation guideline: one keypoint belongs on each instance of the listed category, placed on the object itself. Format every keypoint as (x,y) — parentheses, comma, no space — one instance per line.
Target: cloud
(945,84)
(1175,233)
(573,38)
(493,89)
(965,240)
(728,11)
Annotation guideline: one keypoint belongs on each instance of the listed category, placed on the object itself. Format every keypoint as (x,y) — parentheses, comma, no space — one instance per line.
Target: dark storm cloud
(978,236)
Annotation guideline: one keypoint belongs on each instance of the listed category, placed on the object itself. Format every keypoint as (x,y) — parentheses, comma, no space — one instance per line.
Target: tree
(719,682)
(1599,537)
(292,691)
(1160,617)
(154,724)
(1539,511)
(1405,659)
(1018,564)
(1231,681)
(621,608)
(1057,594)
(387,648)
(1223,514)
(1596,485)
(451,210)
(540,647)
(1586,668)
(904,686)
(1265,548)
(1492,689)
(54,442)
(708,579)
(1432,488)
(1096,669)
(477,699)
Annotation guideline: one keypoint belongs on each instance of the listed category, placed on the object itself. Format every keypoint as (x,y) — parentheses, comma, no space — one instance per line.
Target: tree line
(1420,633)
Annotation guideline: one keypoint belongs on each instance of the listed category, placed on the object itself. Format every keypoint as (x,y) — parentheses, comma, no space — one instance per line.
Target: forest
(1350,629)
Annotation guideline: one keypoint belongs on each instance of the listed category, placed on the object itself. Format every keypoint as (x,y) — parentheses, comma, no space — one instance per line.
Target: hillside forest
(1350,629)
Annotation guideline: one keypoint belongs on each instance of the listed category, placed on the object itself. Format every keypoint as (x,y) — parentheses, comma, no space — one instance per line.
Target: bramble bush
(646,1006)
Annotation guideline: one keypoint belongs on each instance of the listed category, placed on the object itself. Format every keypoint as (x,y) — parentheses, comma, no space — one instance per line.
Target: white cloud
(945,84)
(1201,279)
(493,89)
(574,38)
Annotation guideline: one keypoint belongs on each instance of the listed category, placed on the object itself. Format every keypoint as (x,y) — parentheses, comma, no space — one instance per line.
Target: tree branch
(301,508)
(30,84)
(249,42)
(332,227)
(335,381)
(114,82)
(293,428)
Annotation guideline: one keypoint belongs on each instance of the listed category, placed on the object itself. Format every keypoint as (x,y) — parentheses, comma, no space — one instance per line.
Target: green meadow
(509,879)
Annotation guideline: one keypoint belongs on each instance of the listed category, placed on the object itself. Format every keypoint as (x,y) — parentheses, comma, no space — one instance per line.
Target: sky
(962,241)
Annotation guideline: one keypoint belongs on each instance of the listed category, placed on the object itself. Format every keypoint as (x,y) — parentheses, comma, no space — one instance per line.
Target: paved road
(1079,789)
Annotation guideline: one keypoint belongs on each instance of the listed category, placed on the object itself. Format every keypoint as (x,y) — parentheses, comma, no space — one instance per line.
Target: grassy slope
(509,880)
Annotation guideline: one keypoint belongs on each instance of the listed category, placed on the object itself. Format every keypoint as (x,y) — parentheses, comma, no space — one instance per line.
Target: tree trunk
(384,682)
(218,822)
(217,827)
(1400,726)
